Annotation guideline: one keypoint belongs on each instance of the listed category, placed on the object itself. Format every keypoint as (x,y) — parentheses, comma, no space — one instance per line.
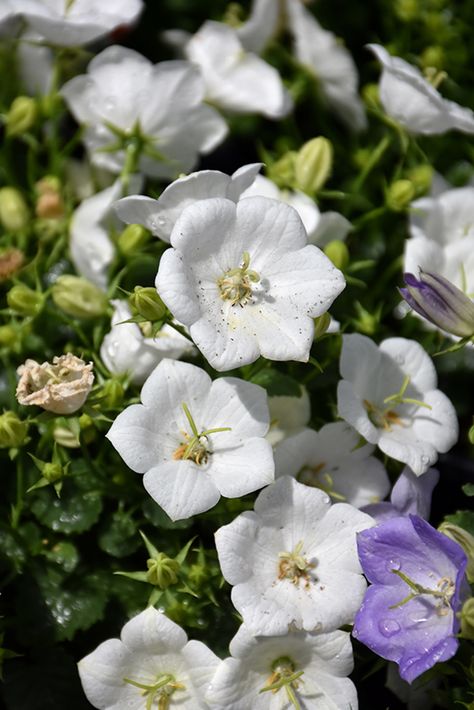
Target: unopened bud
(162,571)
(78,297)
(399,195)
(466,540)
(313,165)
(11,261)
(132,239)
(433,57)
(338,252)
(49,203)
(8,336)
(21,116)
(421,177)
(66,436)
(52,472)
(321,325)
(147,303)
(467,619)
(407,10)
(111,394)
(282,173)
(14,214)
(24,300)
(12,431)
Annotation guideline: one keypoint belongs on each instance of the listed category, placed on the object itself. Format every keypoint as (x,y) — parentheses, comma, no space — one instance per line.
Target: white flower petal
(181,489)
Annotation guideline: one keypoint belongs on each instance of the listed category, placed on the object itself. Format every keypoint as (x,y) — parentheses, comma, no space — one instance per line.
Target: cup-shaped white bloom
(332,460)
(415,103)
(236,80)
(320,227)
(262,23)
(310,667)
(195,439)
(442,229)
(152,662)
(159,216)
(330,62)
(288,415)
(123,93)
(92,250)
(244,281)
(126,350)
(78,22)
(293,562)
(389,395)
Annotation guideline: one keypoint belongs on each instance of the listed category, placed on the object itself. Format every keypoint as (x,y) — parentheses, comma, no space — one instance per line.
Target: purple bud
(441,302)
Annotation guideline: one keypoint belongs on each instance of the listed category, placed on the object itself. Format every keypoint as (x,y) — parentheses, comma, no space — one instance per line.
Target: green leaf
(64,554)
(463,518)
(277,384)
(75,512)
(119,536)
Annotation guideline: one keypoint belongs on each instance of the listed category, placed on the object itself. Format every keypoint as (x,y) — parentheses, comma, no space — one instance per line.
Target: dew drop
(389,627)
(393,564)
(425,459)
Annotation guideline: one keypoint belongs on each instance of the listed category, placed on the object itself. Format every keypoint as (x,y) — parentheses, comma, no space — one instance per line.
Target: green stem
(375,158)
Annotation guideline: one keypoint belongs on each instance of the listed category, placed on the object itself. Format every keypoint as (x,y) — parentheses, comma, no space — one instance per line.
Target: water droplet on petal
(393,564)
(425,459)
(389,627)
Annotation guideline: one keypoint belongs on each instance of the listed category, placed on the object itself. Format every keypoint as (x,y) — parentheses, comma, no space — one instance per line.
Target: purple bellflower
(410,495)
(440,302)
(408,614)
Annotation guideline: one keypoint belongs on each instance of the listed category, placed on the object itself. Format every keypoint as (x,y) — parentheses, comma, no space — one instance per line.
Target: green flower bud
(467,619)
(421,177)
(14,214)
(407,10)
(52,472)
(283,171)
(12,431)
(198,574)
(466,540)
(132,239)
(399,195)
(65,436)
(162,571)
(147,303)
(21,116)
(313,165)
(338,252)
(111,394)
(78,297)
(24,300)
(8,336)
(366,322)
(433,57)
(321,325)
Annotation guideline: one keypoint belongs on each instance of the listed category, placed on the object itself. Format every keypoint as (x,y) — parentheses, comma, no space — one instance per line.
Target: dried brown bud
(11,261)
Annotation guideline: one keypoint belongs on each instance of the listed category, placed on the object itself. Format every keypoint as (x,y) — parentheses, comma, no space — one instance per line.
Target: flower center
(196,447)
(444,591)
(283,675)
(387,417)
(236,284)
(317,477)
(160,692)
(295,567)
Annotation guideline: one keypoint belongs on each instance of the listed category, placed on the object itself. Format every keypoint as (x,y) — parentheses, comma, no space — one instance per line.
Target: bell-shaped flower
(293,562)
(388,394)
(320,52)
(78,22)
(320,227)
(299,670)
(153,114)
(159,216)
(152,665)
(236,80)
(416,104)
(195,439)
(92,250)
(440,302)
(409,613)
(127,350)
(411,495)
(332,459)
(243,280)
(260,26)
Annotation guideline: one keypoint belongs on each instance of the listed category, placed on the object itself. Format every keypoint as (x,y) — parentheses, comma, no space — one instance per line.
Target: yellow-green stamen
(284,676)
(195,447)
(159,692)
(294,567)
(236,284)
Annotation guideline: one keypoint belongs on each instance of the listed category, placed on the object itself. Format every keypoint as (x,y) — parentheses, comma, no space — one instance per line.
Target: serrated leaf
(277,384)
(64,554)
(75,512)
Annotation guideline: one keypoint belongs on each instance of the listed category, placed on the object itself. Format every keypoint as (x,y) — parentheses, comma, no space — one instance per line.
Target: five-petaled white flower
(152,665)
(128,349)
(415,103)
(388,393)
(293,562)
(159,216)
(332,460)
(270,673)
(76,22)
(129,105)
(195,439)
(244,281)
